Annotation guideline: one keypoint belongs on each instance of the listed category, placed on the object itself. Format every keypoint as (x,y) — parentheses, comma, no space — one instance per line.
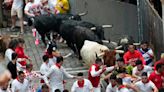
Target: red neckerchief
(58,65)
(80,83)
(141,68)
(113,85)
(122,86)
(146,82)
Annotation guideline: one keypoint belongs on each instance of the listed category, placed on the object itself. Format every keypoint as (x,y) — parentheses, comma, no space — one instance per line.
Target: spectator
(140,68)
(112,86)
(59,72)
(52,4)
(82,84)
(121,87)
(29,9)
(11,49)
(145,85)
(62,6)
(20,84)
(95,73)
(12,45)
(37,7)
(147,53)
(17,9)
(12,66)
(156,77)
(132,55)
(20,52)
(45,7)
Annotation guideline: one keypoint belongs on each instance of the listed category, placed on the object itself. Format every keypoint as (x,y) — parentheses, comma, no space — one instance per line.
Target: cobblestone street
(72,64)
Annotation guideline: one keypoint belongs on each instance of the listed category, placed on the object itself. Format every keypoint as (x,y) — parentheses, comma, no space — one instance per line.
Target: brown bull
(109,57)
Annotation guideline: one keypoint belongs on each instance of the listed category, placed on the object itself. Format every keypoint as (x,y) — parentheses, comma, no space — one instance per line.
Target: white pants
(97,89)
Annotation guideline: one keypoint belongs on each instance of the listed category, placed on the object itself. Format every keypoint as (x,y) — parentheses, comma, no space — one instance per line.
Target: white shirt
(44,68)
(56,76)
(37,1)
(123,90)
(95,73)
(8,54)
(28,7)
(52,4)
(110,88)
(17,4)
(33,8)
(87,86)
(33,77)
(21,87)
(146,55)
(148,87)
(146,68)
(8,58)
(52,61)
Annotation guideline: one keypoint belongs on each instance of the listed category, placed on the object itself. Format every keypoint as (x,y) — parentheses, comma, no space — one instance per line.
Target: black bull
(76,35)
(44,24)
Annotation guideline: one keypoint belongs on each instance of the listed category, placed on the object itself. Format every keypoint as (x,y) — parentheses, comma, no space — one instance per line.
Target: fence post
(139,18)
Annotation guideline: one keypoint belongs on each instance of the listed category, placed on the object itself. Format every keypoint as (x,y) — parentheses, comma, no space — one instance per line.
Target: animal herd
(84,38)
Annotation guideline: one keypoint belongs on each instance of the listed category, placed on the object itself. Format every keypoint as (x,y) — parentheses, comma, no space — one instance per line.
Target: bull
(90,49)
(76,35)
(98,30)
(44,24)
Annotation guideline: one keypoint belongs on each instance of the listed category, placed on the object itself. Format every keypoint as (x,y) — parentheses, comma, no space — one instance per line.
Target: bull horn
(101,54)
(93,28)
(118,47)
(105,41)
(136,44)
(82,14)
(107,26)
(66,56)
(119,51)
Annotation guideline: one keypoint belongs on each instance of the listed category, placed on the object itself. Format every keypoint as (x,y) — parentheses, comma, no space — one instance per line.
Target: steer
(90,49)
